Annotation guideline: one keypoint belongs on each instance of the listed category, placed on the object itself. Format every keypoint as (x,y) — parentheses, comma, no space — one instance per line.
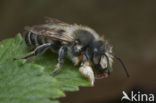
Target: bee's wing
(55,21)
(46,31)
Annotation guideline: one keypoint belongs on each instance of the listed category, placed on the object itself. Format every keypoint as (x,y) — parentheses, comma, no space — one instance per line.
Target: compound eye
(96,58)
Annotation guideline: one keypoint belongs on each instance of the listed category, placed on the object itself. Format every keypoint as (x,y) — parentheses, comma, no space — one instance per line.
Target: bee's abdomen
(27,38)
(32,39)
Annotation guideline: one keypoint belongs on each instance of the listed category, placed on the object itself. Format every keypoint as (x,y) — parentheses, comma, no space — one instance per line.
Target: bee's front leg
(62,54)
(86,70)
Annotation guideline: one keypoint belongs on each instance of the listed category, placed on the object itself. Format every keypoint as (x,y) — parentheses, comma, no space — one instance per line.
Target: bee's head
(102,57)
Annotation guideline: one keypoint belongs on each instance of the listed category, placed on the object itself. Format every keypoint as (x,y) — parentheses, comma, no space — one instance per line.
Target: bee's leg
(77,60)
(84,59)
(86,70)
(62,54)
(39,50)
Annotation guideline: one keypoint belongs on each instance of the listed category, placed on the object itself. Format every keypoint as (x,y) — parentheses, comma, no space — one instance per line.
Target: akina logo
(140,97)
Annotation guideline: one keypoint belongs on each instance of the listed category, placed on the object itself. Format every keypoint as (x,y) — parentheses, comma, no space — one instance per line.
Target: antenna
(123,65)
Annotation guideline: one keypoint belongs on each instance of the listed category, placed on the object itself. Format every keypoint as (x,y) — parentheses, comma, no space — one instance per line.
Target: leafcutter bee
(79,43)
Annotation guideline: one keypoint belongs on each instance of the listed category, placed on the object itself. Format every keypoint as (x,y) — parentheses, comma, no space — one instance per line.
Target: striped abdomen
(34,40)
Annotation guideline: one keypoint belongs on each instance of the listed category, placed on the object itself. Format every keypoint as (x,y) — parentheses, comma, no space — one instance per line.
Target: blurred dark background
(129,25)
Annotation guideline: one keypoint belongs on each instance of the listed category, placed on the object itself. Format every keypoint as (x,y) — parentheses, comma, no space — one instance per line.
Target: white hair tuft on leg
(87,71)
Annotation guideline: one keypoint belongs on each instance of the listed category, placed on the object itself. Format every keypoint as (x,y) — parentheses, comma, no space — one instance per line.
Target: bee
(81,44)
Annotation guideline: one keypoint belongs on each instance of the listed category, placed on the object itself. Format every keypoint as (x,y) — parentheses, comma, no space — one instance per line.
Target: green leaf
(29,81)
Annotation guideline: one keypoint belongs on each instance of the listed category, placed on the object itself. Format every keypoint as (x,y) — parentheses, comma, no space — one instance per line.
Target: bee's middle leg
(61,56)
